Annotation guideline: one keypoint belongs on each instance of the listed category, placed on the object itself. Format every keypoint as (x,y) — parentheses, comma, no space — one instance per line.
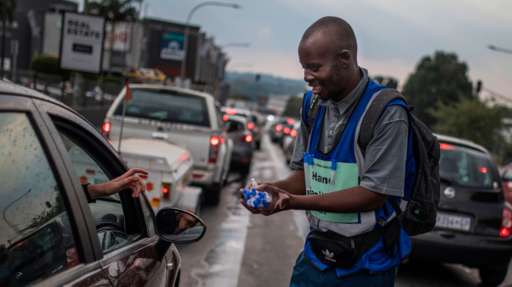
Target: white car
(169,172)
(184,117)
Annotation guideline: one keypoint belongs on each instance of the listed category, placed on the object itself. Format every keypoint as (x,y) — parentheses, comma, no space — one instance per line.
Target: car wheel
(212,194)
(492,275)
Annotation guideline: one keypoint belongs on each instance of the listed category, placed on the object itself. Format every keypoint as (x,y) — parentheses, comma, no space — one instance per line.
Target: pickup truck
(169,168)
(184,117)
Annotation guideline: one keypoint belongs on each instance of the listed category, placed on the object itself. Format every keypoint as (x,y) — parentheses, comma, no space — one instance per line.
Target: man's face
(322,69)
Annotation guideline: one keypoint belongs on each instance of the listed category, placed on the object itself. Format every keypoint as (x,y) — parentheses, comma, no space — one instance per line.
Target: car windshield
(467,167)
(166,106)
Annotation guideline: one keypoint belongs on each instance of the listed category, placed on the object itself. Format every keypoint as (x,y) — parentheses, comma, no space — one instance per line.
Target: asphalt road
(241,249)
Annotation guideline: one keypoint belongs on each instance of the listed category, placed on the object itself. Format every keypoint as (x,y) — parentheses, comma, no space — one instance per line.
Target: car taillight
(251,125)
(506,223)
(445,146)
(293,133)
(225,118)
(166,190)
(106,127)
(247,138)
(215,143)
(279,128)
(286,130)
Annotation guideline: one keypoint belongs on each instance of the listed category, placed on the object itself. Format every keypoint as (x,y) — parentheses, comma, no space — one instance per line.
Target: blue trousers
(306,275)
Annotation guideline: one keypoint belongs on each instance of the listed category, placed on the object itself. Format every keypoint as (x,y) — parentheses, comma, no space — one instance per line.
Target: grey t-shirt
(383,169)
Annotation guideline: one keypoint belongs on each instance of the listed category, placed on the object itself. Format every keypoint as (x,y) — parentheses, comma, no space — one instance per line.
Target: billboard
(171,46)
(82,42)
(122,39)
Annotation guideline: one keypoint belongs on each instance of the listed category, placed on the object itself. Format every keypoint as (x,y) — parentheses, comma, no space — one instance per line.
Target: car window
(235,126)
(107,211)
(467,167)
(166,106)
(36,238)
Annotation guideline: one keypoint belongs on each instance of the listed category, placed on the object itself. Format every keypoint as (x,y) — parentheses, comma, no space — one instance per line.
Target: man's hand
(132,179)
(280,200)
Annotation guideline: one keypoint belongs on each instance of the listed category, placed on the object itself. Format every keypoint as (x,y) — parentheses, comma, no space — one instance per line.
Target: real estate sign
(82,42)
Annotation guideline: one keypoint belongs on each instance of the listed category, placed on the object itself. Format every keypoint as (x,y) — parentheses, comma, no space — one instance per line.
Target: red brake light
(279,128)
(215,140)
(293,133)
(290,121)
(166,190)
(251,125)
(225,118)
(445,146)
(106,127)
(504,232)
(506,223)
(248,138)
(286,130)
(484,170)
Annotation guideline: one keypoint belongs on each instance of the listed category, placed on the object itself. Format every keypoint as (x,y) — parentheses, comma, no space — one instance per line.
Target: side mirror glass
(179,226)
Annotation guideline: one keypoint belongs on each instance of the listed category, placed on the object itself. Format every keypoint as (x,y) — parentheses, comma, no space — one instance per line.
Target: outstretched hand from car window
(132,179)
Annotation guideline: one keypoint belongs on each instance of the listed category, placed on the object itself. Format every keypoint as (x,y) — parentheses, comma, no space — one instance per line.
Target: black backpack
(421,211)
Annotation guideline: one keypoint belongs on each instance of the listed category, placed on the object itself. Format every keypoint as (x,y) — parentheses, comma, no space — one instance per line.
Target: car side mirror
(179,226)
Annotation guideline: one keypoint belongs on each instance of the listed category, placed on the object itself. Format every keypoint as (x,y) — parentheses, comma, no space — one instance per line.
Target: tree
(473,120)
(7,8)
(439,80)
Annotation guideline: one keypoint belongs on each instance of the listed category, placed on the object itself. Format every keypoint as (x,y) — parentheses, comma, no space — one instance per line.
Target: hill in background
(253,85)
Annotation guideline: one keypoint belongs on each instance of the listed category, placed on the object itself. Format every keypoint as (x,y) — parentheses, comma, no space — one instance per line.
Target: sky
(392,35)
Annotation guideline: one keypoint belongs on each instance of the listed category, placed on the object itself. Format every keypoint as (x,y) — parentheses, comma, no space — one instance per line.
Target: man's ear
(344,58)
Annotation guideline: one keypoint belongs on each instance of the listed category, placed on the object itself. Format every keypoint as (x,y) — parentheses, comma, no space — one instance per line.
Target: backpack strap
(309,109)
(373,114)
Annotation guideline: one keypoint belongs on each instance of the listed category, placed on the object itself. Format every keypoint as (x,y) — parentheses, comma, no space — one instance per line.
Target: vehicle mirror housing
(179,226)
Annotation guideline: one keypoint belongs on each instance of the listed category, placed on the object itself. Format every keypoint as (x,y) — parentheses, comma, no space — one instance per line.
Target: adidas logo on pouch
(328,255)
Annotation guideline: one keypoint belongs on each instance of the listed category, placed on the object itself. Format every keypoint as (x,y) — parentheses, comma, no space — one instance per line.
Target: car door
(43,237)
(131,253)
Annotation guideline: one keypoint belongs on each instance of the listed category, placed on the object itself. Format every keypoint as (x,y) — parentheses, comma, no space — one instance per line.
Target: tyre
(492,275)
(212,194)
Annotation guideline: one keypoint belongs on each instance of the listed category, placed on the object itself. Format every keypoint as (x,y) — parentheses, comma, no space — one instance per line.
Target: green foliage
(46,64)
(292,108)
(439,80)
(473,120)
(114,10)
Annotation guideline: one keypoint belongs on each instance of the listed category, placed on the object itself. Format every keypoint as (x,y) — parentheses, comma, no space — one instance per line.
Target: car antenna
(126,98)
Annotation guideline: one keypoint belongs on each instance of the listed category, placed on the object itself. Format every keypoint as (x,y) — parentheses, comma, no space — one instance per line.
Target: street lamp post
(185,40)
(499,49)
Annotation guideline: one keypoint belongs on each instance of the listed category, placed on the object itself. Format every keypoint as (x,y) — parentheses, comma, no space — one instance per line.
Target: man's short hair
(338,29)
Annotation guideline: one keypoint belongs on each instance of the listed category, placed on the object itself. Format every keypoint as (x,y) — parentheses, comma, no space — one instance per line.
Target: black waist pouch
(339,251)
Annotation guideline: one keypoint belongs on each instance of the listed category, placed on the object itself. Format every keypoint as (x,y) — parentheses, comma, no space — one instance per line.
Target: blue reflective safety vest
(342,160)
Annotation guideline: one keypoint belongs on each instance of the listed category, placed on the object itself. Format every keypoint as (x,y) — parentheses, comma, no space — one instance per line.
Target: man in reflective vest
(348,193)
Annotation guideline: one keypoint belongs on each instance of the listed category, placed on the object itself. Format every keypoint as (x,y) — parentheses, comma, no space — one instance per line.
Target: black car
(50,235)
(243,144)
(473,225)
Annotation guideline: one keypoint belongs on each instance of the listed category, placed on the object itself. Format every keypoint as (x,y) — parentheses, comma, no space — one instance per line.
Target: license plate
(456,222)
